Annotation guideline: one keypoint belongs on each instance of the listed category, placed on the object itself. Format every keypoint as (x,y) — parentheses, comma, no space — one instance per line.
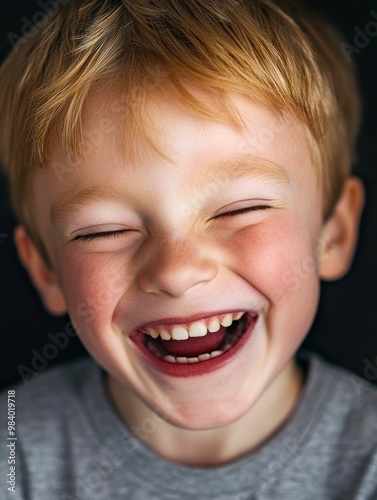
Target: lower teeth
(202,357)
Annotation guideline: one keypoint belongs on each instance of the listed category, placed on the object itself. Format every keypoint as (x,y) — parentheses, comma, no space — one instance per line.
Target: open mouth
(198,342)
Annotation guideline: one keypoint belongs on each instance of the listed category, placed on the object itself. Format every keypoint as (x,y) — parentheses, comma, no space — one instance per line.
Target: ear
(40,273)
(340,232)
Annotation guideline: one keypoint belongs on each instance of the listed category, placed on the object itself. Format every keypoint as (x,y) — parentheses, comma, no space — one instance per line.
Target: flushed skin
(179,263)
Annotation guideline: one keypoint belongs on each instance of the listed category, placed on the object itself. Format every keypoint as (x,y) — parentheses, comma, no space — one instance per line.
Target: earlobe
(42,276)
(340,233)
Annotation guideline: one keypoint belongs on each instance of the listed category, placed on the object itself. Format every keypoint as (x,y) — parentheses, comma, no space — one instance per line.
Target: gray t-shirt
(71,445)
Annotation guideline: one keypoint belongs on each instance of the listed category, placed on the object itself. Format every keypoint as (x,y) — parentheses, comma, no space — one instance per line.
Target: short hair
(276,53)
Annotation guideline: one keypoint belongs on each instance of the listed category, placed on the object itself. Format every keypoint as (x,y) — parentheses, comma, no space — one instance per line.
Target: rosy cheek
(272,257)
(92,285)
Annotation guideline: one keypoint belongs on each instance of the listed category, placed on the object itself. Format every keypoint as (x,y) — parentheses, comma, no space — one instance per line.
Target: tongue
(194,346)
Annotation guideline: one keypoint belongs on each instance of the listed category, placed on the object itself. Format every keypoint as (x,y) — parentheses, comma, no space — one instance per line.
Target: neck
(214,447)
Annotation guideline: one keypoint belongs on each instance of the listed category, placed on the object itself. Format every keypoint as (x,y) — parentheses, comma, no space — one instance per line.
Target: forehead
(173,140)
(162,124)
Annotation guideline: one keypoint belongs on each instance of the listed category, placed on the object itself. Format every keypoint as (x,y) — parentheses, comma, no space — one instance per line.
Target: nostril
(175,268)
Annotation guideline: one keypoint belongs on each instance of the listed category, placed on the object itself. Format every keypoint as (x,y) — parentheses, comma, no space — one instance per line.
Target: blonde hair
(278,56)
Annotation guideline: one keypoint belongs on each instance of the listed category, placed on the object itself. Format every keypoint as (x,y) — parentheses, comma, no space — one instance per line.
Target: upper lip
(181,320)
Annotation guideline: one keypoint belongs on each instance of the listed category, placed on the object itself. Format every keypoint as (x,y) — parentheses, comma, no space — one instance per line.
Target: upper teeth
(196,329)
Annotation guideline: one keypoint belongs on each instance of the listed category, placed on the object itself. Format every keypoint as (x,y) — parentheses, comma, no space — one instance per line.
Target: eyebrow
(84,197)
(243,167)
(251,166)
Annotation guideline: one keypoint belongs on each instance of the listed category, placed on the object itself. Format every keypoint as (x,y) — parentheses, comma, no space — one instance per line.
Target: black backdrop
(345,329)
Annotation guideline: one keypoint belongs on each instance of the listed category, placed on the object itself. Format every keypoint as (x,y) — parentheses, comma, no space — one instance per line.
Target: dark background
(345,329)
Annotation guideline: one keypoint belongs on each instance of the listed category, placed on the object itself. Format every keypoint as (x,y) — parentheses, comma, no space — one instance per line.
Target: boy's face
(182,252)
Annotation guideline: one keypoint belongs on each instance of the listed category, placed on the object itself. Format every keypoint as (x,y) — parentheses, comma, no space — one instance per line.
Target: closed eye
(98,236)
(241,211)
(117,234)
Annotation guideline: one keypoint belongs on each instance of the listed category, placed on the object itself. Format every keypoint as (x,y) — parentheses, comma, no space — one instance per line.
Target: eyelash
(98,236)
(116,234)
(241,211)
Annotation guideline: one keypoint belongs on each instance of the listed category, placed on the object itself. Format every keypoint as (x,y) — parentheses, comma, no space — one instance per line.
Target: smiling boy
(181,173)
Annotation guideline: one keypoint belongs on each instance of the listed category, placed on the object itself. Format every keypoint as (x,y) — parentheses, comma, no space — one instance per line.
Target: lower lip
(202,367)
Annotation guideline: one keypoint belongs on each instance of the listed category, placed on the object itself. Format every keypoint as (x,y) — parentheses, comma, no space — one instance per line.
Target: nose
(174,267)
